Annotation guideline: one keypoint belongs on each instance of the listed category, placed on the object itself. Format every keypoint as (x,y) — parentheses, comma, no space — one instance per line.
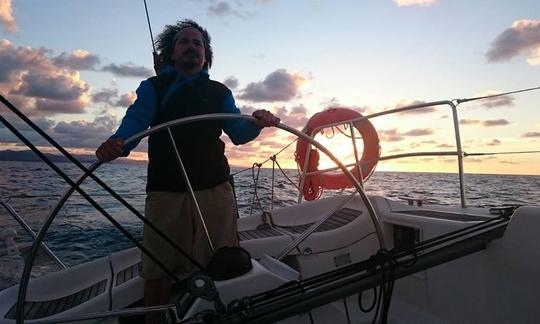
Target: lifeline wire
(458,101)
(465,154)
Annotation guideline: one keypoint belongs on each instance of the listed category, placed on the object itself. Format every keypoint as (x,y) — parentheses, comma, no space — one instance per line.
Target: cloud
(52,106)
(413,3)
(7,137)
(496,101)
(125,100)
(523,38)
(224,9)
(474,160)
(110,97)
(444,145)
(394,135)
(247,110)
(37,85)
(6,16)
(495,122)
(13,59)
(390,135)
(77,60)
(335,103)
(221,8)
(295,117)
(419,132)
(534,58)
(405,102)
(41,84)
(83,133)
(272,144)
(531,134)
(58,87)
(277,86)
(494,142)
(419,144)
(486,123)
(104,96)
(508,162)
(231,82)
(468,121)
(128,70)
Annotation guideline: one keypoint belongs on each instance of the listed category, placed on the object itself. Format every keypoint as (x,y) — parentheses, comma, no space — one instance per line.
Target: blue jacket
(140,114)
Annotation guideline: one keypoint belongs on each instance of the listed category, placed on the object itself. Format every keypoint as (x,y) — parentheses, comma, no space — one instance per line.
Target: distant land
(29,156)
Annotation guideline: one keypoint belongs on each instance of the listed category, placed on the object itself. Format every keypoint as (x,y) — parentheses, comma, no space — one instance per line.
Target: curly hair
(165,42)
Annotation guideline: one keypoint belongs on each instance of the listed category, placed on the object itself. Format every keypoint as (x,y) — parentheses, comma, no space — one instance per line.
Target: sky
(73,66)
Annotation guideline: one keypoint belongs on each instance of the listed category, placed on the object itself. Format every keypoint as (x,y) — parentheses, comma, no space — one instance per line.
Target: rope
(285,175)
(255,183)
(385,262)
(243,170)
(268,159)
(312,189)
(283,149)
(347,135)
(331,136)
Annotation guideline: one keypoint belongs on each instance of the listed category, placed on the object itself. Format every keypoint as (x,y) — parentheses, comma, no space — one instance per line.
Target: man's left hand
(265,118)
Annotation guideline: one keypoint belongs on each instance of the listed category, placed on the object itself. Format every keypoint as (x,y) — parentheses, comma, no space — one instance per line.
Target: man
(183,88)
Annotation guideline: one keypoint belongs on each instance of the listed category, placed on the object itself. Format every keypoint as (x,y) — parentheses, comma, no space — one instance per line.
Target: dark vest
(200,148)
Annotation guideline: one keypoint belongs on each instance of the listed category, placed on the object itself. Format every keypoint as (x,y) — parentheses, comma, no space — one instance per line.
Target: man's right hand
(110,149)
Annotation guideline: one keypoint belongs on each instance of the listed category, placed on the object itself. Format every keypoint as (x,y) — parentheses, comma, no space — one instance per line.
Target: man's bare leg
(156,292)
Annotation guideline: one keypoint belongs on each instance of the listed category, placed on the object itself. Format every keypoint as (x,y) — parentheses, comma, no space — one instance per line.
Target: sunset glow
(73,68)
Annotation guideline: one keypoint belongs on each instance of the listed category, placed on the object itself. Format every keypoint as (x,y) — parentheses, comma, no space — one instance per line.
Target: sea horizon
(29,156)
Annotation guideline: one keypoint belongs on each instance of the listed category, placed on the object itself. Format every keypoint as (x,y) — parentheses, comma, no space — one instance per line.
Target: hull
(499,278)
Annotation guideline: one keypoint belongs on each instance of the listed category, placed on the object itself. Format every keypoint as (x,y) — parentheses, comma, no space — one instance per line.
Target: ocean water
(80,233)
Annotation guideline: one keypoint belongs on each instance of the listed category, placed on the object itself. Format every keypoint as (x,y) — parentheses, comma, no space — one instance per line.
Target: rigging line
(255,192)
(347,135)
(421,246)
(149,26)
(103,185)
(238,172)
(494,95)
(465,154)
(323,279)
(286,176)
(283,149)
(268,159)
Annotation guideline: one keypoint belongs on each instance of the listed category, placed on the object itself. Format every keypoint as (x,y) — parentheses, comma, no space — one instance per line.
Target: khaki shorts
(175,214)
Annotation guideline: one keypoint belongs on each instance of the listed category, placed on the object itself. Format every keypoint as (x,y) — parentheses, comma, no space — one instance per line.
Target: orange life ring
(314,184)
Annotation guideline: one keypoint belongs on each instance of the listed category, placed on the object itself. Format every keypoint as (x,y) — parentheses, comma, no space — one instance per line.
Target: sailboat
(350,257)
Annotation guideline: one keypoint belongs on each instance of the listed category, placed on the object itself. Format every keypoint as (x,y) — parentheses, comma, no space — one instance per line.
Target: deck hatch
(256,234)
(338,219)
(127,274)
(36,310)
